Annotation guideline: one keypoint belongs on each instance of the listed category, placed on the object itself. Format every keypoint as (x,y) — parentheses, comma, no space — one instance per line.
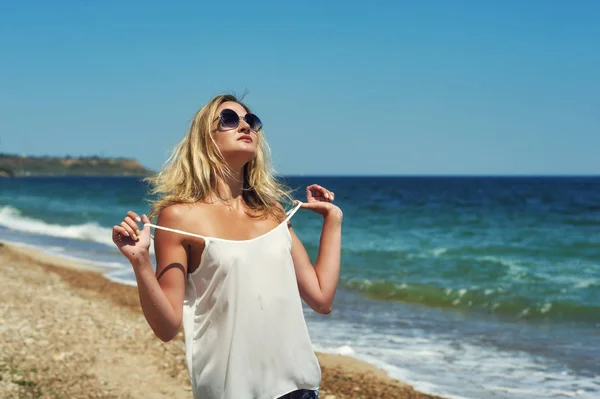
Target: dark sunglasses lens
(229,119)
(254,122)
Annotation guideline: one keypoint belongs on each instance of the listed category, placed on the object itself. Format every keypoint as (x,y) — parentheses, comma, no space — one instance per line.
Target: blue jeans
(302,394)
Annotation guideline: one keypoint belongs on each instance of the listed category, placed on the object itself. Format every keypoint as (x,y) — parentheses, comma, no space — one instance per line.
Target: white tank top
(245,333)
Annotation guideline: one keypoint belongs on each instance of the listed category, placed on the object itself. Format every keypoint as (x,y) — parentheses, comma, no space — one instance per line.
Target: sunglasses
(229,119)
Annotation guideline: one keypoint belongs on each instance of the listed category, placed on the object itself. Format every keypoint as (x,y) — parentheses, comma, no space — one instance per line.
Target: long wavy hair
(192,171)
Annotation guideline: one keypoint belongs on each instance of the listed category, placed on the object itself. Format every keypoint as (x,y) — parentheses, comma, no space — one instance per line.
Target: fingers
(134,216)
(118,230)
(145,220)
(315,192)
(130,226)
(134,227)
(319,193)
(130,232)
(118,234)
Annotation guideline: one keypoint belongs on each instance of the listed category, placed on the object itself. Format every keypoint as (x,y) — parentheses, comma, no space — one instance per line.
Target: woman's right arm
(161,293)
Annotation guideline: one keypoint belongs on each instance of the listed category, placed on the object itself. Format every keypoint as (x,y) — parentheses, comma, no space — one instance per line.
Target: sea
(464,287)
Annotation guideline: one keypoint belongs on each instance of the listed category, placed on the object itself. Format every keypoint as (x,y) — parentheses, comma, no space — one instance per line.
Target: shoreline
(69,331)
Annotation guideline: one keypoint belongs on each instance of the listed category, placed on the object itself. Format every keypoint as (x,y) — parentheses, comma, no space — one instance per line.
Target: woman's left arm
(317,284)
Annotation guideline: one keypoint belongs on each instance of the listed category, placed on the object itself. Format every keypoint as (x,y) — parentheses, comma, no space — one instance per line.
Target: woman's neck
(230,189)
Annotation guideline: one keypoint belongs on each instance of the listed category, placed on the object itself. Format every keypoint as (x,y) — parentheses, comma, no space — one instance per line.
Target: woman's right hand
(131,241)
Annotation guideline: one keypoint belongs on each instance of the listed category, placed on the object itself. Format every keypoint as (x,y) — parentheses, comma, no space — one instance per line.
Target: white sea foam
(546,308)
(439,251)
(515,269)
(11,218)
(443,365)
(344,350)
(584,282)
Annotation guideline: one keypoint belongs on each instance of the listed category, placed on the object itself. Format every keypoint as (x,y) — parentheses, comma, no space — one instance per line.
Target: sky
(342,87)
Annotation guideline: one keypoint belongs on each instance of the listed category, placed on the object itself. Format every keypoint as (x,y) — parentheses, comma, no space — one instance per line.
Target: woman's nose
(244,126)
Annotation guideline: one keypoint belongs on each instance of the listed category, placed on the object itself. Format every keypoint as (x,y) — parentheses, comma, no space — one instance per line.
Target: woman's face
(238,145)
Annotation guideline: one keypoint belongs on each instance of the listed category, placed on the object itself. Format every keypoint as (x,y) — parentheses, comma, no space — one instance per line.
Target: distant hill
(23,165)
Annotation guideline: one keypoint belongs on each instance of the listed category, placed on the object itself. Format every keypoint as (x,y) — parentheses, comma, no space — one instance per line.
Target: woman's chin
(241,156)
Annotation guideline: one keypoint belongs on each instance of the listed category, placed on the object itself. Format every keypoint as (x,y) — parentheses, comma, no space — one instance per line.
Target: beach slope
(67,332)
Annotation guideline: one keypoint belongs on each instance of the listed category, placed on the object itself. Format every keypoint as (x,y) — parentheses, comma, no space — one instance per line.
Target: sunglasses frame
(221,123)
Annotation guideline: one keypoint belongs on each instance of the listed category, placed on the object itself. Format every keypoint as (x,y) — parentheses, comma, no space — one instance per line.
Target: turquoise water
(495,278)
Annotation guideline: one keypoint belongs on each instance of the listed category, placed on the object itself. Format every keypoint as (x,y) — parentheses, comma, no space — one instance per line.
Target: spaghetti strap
(290,213)
(294,210)
(174,231)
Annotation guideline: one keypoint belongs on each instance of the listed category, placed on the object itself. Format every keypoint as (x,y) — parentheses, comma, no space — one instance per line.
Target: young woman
(229,265)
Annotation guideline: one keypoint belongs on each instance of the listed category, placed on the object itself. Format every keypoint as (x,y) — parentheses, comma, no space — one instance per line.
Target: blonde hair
(191,173)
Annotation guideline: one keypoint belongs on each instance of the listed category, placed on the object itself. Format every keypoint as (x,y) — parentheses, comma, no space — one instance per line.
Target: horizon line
(433,175)
(292,175)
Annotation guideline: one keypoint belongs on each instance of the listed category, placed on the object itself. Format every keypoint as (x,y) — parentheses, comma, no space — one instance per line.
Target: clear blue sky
(427,87)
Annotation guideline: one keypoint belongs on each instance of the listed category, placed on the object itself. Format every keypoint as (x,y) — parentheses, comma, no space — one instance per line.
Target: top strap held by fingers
(293,211)
(289,213)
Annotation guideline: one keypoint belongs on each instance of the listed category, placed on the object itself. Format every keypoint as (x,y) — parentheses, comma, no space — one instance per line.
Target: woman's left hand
(319,200)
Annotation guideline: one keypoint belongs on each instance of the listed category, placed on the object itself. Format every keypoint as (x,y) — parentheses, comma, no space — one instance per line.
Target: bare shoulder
(187,217)
(173,215)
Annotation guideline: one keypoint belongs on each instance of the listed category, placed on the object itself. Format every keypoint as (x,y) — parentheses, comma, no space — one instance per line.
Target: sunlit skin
(161,293)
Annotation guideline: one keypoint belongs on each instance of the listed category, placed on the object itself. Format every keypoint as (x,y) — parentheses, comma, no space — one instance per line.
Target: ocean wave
(12,218)
(496,301)
(414,355)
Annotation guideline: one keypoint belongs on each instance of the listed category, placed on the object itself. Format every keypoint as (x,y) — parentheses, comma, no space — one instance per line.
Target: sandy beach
(68,332)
